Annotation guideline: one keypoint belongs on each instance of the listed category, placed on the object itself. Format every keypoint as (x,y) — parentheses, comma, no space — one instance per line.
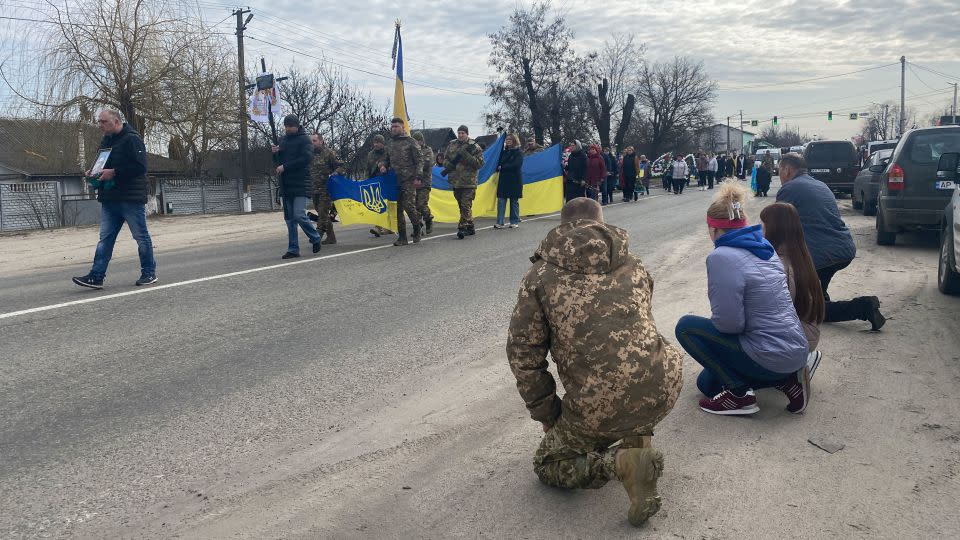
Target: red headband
(726,223)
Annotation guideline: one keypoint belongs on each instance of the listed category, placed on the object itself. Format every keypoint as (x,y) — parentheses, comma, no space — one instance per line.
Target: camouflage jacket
(527,151)
(587,301)
(464,173)
(325,162)
(375,158)
(427,159)
(403,156)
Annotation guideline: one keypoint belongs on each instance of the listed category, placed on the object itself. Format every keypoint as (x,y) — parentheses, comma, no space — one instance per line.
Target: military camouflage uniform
(376,158)
(325,162)
(587,301)
(463,176)
(426,183)
(403,156)
(527,151)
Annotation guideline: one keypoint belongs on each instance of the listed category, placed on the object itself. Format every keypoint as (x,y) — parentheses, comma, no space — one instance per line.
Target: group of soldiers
(412,161)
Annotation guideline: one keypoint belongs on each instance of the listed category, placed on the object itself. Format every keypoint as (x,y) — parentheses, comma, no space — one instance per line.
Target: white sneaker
(513,225)
(498,226)
(813,361)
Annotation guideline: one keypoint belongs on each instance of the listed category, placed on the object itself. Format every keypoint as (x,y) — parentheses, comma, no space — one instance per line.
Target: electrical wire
(935,72)
(808,80)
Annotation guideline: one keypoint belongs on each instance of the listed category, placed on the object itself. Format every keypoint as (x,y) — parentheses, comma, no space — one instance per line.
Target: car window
(831,153)
(880,155)
(927,147)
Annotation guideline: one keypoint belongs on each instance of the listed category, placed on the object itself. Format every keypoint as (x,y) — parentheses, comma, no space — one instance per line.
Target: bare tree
(316,96)
(783,136)
(884,120)
(676,97)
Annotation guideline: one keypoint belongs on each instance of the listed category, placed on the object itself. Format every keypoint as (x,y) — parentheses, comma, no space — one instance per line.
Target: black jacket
(577,167)
(296,153)
(128,157)
(511,180)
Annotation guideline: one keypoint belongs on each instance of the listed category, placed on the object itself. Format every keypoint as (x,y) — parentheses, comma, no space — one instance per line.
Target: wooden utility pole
(242,79)
(903,94)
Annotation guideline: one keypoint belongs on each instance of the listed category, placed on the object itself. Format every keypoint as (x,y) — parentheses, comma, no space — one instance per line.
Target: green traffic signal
(829,115)
(774,120)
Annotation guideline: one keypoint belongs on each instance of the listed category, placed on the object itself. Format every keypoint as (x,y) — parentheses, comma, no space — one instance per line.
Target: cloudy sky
(756,50)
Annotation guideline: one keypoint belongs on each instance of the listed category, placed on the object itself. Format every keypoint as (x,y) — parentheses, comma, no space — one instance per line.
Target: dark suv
(911,196)
(835,163)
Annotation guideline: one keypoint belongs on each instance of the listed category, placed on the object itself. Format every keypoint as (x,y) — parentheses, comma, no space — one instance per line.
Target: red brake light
(895,178)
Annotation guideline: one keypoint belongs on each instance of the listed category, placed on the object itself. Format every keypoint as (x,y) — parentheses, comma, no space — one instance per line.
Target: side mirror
(949,166)
(877,169)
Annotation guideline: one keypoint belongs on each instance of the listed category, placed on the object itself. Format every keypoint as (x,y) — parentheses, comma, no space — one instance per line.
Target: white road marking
(154,288)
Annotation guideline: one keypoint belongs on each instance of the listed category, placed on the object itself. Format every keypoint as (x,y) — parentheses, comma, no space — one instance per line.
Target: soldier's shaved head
(581,208)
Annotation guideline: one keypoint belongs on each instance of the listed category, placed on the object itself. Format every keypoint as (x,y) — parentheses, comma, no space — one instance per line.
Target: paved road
(293,401)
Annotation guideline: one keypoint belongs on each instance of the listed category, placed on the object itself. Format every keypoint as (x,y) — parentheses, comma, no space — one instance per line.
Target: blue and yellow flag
(399,99)
(374,201)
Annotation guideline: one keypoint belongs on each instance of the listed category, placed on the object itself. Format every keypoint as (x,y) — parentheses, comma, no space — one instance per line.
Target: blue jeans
(725,364)
(295,213)
(514,210)
(112,217)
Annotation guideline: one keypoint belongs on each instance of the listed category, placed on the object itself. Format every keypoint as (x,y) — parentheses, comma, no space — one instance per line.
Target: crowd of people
(587,301)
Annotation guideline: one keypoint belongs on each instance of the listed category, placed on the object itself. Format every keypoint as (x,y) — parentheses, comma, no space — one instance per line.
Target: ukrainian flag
(542,186)
(399,99)
(372,201)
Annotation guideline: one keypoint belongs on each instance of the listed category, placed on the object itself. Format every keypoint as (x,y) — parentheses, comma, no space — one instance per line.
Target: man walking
(828,239)
(376,164)
(588,302)
(425,183)
(713,168)
(403,156)
(292,158)
(461,162)
(703,168)
(610,162)
(325,163)
(122,192)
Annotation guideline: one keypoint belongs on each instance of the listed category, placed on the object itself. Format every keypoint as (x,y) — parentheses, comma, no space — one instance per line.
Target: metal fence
(215,196)
(30,205)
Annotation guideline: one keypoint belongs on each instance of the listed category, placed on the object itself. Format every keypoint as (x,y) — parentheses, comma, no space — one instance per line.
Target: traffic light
(774,120)
(829,115)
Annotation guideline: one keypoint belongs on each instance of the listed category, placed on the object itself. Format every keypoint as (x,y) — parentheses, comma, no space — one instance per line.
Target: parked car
(911,196)
(835,163)
(948,269)
(867,184)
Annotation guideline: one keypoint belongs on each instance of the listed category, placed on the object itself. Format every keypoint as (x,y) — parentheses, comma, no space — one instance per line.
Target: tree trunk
(532,101)
(603,120)
(625,122)
(555,135)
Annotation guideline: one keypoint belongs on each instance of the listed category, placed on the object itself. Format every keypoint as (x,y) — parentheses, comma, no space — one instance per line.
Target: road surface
(366,393)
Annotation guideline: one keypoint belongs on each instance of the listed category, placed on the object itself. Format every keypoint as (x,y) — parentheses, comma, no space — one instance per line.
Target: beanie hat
(418,136)
(291,120)
(378,138)
(463,129)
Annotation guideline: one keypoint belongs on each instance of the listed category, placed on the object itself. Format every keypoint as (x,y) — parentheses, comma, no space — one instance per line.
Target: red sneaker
(729,404)
(797,389)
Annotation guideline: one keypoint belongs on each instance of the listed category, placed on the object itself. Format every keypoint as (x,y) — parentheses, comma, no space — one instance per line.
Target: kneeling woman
(753,338)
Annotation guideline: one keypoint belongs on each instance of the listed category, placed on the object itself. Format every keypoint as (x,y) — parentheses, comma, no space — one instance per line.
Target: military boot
(417,233)
(638,470)
(401,239)
(331,238)
(429,226)
(470,231)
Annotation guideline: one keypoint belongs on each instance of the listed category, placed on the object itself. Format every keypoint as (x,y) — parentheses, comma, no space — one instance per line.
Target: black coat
(510,185)
(128,157)
(577,167)
(296,153)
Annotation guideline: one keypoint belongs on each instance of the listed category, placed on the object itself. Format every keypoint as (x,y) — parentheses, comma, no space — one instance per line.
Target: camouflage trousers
(464,197)
(423,204)
(407,204)
(322,203)
(570,458)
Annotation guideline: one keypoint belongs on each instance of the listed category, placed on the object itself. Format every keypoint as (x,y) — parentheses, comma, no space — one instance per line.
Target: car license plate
(945,184)
(819,170)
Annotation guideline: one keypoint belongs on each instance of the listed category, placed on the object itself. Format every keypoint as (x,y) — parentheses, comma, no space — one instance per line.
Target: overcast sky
(754,49)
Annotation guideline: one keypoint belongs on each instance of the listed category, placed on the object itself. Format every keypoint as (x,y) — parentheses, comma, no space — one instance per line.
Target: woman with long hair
(782,228)
(510,184)
(753,338)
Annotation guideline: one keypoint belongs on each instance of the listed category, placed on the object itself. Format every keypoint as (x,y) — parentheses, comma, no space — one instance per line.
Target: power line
(916,76)
(811,79)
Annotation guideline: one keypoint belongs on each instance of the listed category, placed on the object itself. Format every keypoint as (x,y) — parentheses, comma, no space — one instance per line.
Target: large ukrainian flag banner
(372,201)
(542,186)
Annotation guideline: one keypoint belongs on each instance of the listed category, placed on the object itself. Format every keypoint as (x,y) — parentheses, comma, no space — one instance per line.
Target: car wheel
(857,204)
(948,279)
(884,238)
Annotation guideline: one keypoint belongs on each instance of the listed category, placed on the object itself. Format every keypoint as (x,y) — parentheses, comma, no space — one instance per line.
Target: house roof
(52,148)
